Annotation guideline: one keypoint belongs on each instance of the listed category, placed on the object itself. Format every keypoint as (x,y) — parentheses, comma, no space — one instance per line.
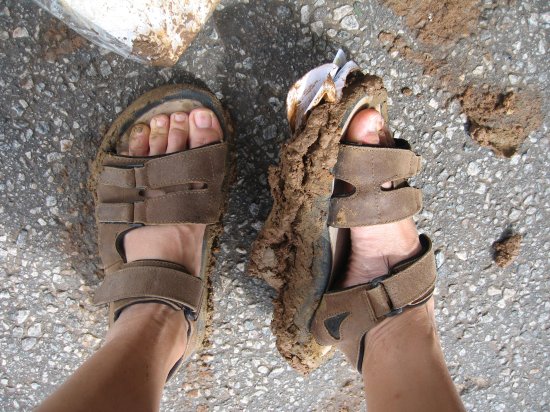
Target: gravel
(56,103)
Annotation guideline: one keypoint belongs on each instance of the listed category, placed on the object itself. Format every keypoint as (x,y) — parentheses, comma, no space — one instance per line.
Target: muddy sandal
(131,192)
(303,246)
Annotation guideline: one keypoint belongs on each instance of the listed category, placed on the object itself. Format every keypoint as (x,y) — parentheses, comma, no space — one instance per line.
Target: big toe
(368,127)
(204,128)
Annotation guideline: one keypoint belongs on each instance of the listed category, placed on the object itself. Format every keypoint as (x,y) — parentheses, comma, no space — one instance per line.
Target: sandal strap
(203,164)
(367,168)
(154,280)
(186,206)
(124,184)
(344,317)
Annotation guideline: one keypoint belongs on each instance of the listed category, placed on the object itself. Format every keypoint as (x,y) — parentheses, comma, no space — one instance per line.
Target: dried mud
(60,41)
(438,22)
(501,121)
(497,118)
(157,48)
(507,250)
(294,235)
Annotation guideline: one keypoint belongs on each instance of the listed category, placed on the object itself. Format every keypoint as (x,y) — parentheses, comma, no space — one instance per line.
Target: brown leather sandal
(345,316)
(131,192)
(303,247)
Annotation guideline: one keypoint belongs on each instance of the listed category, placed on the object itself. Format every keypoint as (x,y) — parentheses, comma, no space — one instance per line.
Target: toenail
(180,117)
(137,129)
(160,121)
(203,120)
(380,124)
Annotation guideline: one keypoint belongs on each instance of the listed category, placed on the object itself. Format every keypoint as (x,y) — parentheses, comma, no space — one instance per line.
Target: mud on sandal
(304,245)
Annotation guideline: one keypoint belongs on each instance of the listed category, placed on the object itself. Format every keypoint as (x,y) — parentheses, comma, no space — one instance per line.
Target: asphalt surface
(58,94)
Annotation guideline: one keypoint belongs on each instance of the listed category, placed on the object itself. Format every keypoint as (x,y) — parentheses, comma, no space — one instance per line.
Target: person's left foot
(376,249)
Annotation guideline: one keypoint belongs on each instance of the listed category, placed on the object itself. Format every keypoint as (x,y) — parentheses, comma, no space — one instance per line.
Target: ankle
(377,249)
(414,326)
(155,328)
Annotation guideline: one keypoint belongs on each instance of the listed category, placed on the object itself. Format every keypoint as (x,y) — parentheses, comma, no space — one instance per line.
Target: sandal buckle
(379,281)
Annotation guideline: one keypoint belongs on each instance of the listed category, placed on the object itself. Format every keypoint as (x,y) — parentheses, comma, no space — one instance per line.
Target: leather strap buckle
(379,281)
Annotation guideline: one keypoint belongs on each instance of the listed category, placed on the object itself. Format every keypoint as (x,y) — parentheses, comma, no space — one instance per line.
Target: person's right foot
(376,249)
(168,134)
(176,243)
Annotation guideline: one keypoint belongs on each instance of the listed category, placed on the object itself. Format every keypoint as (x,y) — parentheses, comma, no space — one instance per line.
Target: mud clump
(498,119)
(438,22)
(507,250)
(501,121)
(156,47)
(163,47)
(291,251)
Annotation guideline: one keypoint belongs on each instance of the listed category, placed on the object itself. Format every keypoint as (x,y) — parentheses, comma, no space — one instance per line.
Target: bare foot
(178,243)
(376,249)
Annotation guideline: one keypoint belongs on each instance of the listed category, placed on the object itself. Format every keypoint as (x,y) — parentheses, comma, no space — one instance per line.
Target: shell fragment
(324,83)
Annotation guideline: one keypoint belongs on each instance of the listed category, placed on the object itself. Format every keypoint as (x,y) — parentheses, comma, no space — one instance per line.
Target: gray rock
(340,12)
(105,69)
(349,23)
(20,33)
(28,343)
(304,14)
(317,27)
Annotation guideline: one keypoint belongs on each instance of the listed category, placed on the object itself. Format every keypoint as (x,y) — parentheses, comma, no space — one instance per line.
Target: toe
(178,133)
(204,128)
(368,127)
(158,139)
(139,140)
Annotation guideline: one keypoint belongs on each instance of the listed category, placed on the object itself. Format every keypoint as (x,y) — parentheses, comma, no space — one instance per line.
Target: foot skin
(168,134)
(376,249)
(178,243)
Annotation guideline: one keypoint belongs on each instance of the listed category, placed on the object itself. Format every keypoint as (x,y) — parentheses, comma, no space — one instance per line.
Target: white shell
(324,83)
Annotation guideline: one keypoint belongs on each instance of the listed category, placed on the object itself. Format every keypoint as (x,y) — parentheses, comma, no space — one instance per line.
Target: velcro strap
(154,282)
(345,316)
(365,166)
(187,206)
(203,164)
(407,284)
(384,207)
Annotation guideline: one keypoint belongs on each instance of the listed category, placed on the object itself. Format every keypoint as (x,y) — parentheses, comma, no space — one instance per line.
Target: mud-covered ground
(468,88)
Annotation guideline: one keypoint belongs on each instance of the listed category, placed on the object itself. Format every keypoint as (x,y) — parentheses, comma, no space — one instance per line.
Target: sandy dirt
(60,41)
(437,22)
(500,119)
(507,250)
(291,252)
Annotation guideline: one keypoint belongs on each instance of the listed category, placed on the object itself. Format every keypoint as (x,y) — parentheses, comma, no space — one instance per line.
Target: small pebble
(20,33)
(349,23)
(340,12)
(105,68)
